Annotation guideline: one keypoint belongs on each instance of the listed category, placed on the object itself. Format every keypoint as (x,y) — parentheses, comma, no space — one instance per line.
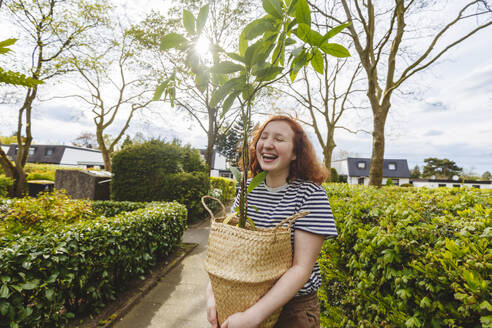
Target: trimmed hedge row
(47,279)
(408,257)
(110,208)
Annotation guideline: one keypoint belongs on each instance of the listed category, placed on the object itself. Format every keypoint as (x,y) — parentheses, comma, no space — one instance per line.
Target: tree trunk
(328,152)
(211,136)
(106,153)
(377,157)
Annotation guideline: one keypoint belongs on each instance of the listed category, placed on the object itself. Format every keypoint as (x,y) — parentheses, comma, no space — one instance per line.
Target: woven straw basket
(244,264)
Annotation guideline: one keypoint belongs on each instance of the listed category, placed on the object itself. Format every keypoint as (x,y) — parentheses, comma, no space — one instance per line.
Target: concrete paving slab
(178,300)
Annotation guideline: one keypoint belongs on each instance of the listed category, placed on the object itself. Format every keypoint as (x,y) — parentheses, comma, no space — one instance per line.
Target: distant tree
(441,168)
(415,173)
(228,142)
(85,139)
(486,176)
(127,142)
(51,29)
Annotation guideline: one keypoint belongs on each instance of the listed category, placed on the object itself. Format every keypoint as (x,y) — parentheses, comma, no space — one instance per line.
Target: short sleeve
(320,219)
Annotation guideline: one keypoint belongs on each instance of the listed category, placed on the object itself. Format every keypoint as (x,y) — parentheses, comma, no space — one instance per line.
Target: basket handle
(291,219)
(208,209)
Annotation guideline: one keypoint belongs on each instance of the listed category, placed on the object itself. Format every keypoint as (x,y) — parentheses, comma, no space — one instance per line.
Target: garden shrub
(5,183)
(50,176)
(111,208)
(157,171)
(47,211)
(227,186)
(48,278)
(408,257)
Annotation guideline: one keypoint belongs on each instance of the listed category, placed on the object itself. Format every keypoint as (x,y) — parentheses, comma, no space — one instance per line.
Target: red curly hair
(305,167)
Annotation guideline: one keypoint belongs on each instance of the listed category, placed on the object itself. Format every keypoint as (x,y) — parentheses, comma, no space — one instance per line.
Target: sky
(450,118)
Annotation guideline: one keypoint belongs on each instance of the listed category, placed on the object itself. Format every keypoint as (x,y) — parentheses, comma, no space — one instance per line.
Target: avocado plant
(272,47)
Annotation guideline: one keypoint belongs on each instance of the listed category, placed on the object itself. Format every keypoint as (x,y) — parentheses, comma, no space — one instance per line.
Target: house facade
(357,170)
(61,155)
(220,167)
(440,183)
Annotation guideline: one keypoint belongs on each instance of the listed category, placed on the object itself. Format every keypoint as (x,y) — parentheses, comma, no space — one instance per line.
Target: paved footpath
(178,300)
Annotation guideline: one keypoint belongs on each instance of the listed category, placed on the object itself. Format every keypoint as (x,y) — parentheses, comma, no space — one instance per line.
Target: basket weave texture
(243,264)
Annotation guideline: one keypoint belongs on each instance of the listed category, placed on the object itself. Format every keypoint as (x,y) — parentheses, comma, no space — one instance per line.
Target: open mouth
(269,157)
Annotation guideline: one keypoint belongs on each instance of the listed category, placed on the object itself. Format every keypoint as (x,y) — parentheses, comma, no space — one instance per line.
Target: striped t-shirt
(268,206)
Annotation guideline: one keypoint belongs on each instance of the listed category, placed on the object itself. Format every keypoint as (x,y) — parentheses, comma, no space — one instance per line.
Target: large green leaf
(4,291)
(237,174)
(189,21)
(226,67)
(243,44)
(250,52)
(335,50)
(202,79)
(269,73)
(235,56)
(258,27)
(291,7)
(172,40)
(224,90)
(298,62)
(317,62)
(273,7)
(4,44)
(201,19)
(256,181)
(334,31)
(306,34)
(303,13)
(226,105)
(31,284)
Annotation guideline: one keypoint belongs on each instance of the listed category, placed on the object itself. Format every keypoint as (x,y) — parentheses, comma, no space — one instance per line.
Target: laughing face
(275,150)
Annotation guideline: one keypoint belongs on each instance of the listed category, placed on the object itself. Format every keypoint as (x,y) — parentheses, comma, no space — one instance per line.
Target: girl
(281,147)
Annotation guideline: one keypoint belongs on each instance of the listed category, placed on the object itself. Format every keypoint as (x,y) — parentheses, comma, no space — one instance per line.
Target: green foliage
(407,257)
(109,208)
(5,183)
(389,182)
(48,211)
(14,78)
(334,175)
(48,278)
(227,186)
(159,171)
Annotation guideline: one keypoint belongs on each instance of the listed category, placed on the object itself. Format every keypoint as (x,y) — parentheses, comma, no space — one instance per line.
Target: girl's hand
(212,309)
(239,320)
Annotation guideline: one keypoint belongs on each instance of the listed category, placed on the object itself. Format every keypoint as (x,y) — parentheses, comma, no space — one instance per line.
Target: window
(392,166)
(32,150)
(361,165)
(476,186)
(396,182)
(441,185)
(456,186)
(360,181)
(49,151)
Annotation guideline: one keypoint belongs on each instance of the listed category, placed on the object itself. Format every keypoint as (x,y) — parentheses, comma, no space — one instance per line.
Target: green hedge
(408,257)
(227,186)
(110,208)
(47,279)
(159,171)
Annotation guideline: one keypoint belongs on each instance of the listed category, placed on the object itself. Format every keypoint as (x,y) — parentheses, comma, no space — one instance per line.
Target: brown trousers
(300,312)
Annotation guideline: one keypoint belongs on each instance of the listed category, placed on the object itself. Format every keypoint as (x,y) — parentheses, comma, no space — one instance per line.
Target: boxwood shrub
(110,208)
(46,279)
(408,257)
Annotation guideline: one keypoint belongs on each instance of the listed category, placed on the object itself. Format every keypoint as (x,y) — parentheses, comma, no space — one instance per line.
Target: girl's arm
(307,247)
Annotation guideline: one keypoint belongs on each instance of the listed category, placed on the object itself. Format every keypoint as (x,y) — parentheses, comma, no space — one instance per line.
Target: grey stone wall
(82,184)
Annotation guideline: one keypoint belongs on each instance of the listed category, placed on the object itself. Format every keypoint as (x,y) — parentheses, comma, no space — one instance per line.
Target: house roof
(42,156)
(401,167)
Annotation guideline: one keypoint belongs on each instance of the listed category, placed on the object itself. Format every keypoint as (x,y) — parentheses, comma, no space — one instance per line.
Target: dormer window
(392,166)
(49,151)
(361,165)
(32,150)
